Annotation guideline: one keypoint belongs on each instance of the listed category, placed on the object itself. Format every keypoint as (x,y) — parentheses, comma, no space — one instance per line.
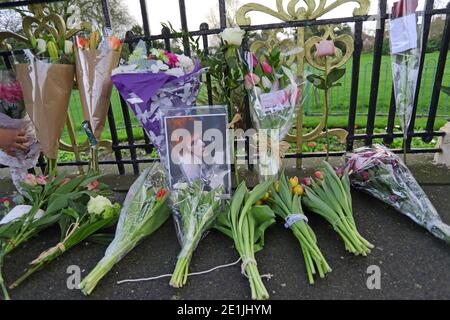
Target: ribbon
(293,218)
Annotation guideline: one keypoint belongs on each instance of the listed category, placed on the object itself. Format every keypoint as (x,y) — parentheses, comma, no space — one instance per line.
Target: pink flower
(340,171)
(251,80)
(325,48)
(30,180)
(295,96)
(307,181)
(267,68)
(173,59)
(254,61)
(319,175)
(93,185)
(41,180)
(64,181)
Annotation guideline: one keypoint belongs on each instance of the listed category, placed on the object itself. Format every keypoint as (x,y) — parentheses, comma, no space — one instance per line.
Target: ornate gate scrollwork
(310,11)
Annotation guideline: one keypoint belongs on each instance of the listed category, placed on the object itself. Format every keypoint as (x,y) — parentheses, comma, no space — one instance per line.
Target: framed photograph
(197,146)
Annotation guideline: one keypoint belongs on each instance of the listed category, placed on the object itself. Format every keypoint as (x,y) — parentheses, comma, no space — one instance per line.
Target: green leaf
(334,76)
(317,81)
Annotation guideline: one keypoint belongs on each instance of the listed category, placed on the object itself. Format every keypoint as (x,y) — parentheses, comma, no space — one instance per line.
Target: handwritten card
(403,33)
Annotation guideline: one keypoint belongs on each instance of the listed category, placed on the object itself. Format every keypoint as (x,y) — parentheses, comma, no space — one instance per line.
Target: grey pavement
(413,264)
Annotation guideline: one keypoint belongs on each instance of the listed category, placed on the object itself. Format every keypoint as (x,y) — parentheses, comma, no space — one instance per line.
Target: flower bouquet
(285,199)
(13,116)
(145,209)
(379,172)
(195,211)
(44,198)
(161,78)
(274,95)
(246,222)
(47,81)
(77,224)
(329,196)
(405,44)
(95,58)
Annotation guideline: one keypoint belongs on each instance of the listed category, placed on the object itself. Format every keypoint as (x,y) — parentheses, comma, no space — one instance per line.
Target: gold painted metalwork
(310,11)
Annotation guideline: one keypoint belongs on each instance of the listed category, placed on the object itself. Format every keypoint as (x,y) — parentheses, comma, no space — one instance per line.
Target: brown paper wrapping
(46,89)
(93,69)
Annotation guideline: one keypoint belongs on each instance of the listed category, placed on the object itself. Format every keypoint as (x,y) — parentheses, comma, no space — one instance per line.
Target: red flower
(161,193)
(82,42)
(5,201)
(114,43)
(319,175)
(312,145)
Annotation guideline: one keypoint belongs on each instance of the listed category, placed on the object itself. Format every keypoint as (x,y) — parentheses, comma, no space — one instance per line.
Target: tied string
(293,218)
(245,263)
(59,247)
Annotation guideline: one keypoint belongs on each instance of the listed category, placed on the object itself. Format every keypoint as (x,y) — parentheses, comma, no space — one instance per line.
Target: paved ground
(414,265)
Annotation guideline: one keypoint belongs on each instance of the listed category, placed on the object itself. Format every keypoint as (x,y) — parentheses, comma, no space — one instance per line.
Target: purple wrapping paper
(145,92)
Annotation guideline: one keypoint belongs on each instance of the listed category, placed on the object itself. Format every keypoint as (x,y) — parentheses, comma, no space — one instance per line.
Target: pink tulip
(41,180)
(319,175)
(307,181)
(254,61)
(267,68)
(64,181)
(251,80)
(30,180)
(93,185)
(325,48)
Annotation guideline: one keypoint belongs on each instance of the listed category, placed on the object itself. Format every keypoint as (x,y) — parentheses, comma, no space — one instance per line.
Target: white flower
(98,204)
(41,46)
(176,72)
(267,84)
(186,63)
(68,47)
(158,66)
(233,36)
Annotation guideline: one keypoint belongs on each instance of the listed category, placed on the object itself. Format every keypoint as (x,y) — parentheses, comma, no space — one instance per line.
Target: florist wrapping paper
(13,116)
(46,90)
(145,92)
(93,70)
(382,174)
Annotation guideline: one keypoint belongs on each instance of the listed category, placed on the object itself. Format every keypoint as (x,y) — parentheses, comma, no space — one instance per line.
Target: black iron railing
(204,32)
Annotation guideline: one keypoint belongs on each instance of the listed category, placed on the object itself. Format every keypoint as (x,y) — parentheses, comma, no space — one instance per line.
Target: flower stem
(2,281)
(327,131)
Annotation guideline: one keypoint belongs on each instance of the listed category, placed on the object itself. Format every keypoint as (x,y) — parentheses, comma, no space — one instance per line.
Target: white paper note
(403,33)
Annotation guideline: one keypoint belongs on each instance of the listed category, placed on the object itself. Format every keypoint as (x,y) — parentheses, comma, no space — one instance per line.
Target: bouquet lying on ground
(329,196)
(245,222)
(145,209)
(77,223)
(274,98)
(45,197)
(382,174)
(285,198)
(154,79)
(195,212)
(95,58)
(14,116)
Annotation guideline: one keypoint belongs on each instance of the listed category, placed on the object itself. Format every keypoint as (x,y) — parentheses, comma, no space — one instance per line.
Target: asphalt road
(413,264)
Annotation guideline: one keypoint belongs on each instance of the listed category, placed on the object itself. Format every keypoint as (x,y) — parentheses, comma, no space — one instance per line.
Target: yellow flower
(266,196)
(298,190)
(294,181)
(259,203)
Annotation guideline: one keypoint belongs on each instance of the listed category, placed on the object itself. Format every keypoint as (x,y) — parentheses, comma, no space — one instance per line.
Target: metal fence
(372,90)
